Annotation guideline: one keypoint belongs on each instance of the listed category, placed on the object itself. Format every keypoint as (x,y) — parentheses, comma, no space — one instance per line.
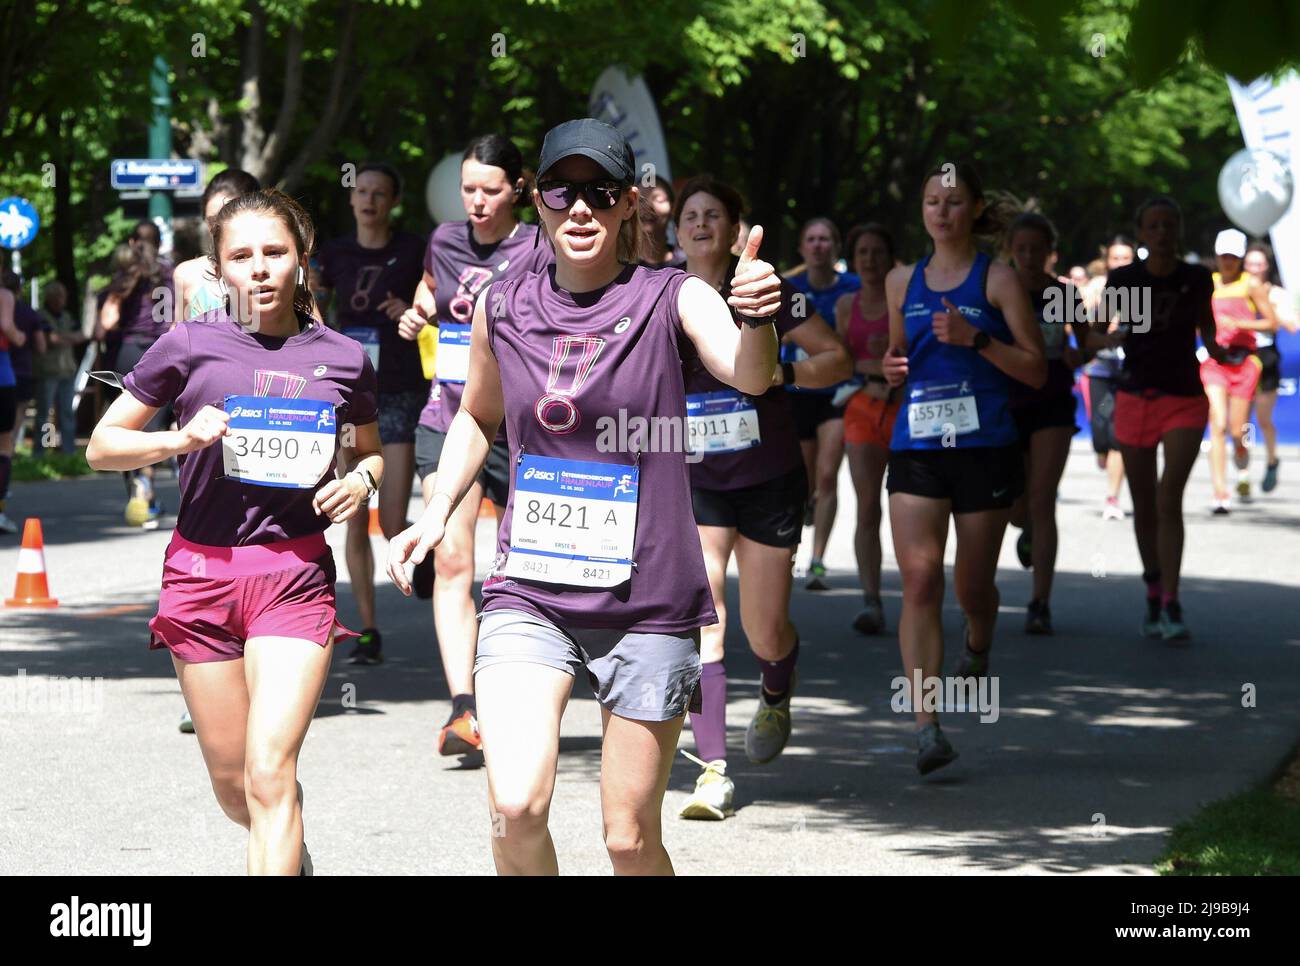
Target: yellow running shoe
(711,800)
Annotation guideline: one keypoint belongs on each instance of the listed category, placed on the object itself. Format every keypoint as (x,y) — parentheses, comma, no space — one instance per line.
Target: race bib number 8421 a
(573,522)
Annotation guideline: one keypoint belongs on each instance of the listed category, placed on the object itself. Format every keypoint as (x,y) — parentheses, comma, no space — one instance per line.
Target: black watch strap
(982,340)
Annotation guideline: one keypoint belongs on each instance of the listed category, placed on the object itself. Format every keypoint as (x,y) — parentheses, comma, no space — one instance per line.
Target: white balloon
(442,190)
(1255,189)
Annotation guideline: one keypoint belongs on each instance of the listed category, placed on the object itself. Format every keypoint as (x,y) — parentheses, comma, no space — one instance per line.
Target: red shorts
(1141,420)
(1240,380)
(215,598)
(868,420)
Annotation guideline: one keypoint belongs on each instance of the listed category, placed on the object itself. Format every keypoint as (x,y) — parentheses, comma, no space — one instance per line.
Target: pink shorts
(1141,420)
(215,598)
(1239,380)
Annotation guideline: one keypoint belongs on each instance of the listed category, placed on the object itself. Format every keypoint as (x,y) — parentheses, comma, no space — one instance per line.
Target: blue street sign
(19,222)
(156,174)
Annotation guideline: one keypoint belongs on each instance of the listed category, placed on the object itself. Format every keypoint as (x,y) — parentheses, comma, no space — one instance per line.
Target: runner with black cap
(599,565)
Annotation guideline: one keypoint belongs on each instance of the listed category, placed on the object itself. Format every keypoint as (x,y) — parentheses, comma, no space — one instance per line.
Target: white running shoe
(1112,509)
(7,525)
(713,794)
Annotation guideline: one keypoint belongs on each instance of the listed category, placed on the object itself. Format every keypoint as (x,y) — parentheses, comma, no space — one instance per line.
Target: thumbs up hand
(951,327)
(755,288)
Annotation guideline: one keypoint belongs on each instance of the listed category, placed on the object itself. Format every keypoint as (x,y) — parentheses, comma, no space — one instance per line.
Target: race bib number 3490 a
(278,442)
(573,522)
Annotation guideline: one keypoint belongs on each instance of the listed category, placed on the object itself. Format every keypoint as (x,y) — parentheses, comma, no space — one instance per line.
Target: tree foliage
(808,106)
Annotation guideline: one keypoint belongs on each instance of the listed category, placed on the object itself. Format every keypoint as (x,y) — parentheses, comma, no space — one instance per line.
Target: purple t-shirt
(147,310)
(778,451)
(207,358)
(361,279)
(594,354)
(461,268)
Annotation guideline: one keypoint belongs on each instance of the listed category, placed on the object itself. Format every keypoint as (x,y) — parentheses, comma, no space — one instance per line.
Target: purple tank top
(147,310)
(574,367)
(778,451)
(461,269)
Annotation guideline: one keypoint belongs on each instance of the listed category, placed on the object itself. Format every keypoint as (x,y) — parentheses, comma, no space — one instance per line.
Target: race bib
(369,339)
(935,409)
(278,442)
(453,351)
(721,422)
(573,522)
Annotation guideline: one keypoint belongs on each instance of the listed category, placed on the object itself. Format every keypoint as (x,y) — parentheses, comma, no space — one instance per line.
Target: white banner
(1269,114)
(627,104)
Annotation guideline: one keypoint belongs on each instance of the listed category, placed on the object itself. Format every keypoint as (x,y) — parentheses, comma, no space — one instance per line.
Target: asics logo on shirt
(622,325)
(572,359)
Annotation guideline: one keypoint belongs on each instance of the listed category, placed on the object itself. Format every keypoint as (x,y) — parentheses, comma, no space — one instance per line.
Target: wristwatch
(982,340)
(369,482)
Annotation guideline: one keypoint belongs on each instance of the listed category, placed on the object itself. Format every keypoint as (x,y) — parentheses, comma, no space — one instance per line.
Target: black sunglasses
(560,195)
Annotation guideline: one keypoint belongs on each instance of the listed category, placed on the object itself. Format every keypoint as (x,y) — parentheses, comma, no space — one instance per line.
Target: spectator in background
(32,325)
(56,371)
(10,336)
(1078,277)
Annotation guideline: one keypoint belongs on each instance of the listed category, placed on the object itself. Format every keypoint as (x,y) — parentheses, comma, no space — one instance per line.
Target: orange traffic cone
(31,588)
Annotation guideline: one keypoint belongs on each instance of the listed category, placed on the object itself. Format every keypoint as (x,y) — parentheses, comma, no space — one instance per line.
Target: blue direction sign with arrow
(19,222)
(156,174)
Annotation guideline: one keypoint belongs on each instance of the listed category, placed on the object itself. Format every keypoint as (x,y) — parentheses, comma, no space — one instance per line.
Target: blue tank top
(7,377)
(953,396)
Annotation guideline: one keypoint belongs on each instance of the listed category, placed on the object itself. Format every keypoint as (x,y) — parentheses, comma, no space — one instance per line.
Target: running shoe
(714,791)
(816,576)
(1112,509)
(1151,622)
(1038,617)
(459,736)
(932,749)
(422,577)
(1025,548)
(1172,627)
(1270,478)
(368,647)
(1243,488)
(973,664)
(1221,507)
(769,729)
(187,723)
(154,516)
(7,525)
(871,619)
(1241,456)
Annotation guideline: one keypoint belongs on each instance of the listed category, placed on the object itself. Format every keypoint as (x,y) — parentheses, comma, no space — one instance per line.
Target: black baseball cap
(593,139)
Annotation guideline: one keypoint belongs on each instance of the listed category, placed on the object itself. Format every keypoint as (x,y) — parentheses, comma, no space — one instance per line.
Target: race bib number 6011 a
(278,442)
(573,522)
